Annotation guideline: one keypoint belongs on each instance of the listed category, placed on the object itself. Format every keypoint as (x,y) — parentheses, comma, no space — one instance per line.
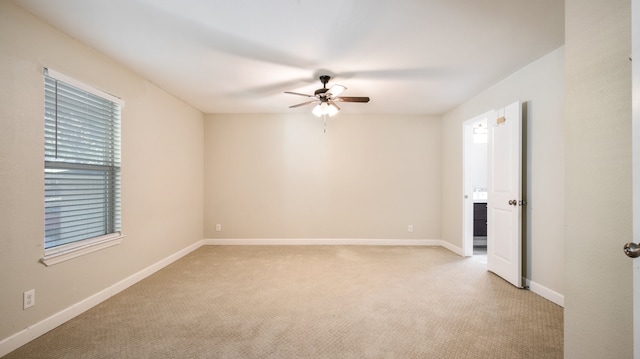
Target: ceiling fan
(327,98)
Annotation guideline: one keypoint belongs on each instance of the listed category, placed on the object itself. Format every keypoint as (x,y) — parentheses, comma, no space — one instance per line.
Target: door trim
(467,181)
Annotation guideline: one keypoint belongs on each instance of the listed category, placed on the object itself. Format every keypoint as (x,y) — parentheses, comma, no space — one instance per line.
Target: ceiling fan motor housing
(321,91)
(324,79)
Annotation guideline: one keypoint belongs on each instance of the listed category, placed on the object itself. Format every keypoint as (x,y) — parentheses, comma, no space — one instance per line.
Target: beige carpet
(314,302)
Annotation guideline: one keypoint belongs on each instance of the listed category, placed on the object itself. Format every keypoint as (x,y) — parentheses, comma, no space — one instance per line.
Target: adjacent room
(315,179)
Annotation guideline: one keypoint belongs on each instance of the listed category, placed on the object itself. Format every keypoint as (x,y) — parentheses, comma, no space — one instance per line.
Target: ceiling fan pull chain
(324,117)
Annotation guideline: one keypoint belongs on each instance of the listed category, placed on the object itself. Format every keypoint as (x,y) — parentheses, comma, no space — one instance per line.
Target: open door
(504,207)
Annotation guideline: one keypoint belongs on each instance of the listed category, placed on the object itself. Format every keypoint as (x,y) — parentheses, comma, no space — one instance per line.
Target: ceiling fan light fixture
(332,110)
(324,108)
(318,110)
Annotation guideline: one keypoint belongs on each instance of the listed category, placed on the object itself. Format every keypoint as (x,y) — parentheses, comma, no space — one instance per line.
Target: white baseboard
(546,293)
(323,241)
(24,336)
(457,250)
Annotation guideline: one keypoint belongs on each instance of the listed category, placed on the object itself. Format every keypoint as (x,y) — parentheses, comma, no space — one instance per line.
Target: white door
(504,207)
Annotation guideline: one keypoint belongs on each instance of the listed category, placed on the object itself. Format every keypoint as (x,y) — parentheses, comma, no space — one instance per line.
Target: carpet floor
(314,302)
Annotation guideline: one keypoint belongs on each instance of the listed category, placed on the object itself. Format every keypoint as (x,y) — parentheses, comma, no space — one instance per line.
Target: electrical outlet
(218,227)
(29,298)
(410,228)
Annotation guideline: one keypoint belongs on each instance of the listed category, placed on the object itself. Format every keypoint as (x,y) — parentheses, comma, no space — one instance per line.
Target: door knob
(632,250)
(513,202)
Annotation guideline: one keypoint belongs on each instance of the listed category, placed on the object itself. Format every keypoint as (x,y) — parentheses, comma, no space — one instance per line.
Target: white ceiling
(239,56)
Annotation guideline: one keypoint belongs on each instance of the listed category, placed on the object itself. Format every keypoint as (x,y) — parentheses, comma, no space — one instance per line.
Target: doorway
(475,175)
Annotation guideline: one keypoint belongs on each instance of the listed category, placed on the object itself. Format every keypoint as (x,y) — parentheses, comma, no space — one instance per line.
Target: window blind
(82,165)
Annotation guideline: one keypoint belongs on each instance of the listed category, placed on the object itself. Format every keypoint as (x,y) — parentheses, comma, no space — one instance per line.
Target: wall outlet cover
(29,298)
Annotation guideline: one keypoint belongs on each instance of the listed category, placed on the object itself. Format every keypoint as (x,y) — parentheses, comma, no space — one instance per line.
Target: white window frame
(60,253)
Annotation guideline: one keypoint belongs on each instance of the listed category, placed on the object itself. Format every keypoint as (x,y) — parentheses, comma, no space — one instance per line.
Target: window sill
(60,254)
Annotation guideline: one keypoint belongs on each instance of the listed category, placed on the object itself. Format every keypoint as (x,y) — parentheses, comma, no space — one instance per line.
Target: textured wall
(598,320)
(162,174)
(281,176)
(541,85)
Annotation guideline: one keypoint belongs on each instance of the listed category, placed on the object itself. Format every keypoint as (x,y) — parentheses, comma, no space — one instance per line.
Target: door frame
(467,181)
(635,155)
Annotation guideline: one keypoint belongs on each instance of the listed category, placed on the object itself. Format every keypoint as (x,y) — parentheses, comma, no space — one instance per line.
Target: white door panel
(502,234)
(502,147)
(504,231)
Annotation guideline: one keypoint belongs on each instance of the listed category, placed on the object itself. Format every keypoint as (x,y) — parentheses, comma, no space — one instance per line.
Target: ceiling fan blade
(336,90)
(351,99)
(298,93)
(335,104)
(304,103)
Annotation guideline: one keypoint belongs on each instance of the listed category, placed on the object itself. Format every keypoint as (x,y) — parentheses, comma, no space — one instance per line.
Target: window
(82,168)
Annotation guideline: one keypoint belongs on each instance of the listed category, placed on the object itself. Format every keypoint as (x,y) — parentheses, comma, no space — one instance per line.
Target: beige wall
(368,177)
(598,312)
(541,86)
(281,176)
(162,172)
